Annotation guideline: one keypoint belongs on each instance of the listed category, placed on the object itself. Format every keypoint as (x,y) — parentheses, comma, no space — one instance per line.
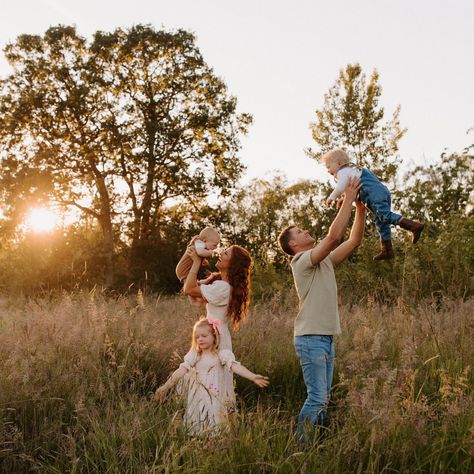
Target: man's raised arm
(339,224)
(357,233)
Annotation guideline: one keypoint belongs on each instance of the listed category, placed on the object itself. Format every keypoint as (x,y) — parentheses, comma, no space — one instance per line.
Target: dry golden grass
(77,372)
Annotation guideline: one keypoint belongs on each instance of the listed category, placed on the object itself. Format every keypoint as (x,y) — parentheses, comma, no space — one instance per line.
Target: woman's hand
(205,281)
(191,251)
(261,381)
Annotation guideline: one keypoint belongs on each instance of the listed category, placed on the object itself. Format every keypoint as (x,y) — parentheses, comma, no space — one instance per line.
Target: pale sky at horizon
(279,58)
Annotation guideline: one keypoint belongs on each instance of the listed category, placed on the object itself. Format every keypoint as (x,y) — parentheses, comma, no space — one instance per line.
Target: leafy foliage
(441,191)
(352,118)
(117,127)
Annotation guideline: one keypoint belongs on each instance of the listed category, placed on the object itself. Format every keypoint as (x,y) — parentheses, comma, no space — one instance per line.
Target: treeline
(134,130)
(440,264)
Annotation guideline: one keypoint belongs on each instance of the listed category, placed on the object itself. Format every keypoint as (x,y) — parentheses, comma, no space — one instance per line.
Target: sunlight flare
(41,219)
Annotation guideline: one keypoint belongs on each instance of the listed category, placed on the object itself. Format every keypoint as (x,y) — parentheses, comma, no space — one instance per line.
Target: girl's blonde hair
(204,323)
(336,155)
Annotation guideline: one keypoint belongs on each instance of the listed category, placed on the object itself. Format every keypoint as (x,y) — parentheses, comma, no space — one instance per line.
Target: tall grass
(77,373)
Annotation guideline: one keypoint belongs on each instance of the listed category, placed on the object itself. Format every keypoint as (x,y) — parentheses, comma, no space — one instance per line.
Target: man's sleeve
(304,263)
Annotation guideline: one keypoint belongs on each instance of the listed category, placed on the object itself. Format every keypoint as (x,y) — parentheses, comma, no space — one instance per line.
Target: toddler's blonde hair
(337,155)
(202,323)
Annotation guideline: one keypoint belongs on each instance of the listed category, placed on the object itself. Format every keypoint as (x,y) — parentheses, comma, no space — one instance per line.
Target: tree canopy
(117,127)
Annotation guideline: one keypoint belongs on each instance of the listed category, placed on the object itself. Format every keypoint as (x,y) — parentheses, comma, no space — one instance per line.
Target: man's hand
(352,189)
(329,201)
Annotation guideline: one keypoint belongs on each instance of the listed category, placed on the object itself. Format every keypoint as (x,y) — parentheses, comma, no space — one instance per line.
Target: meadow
(78,372)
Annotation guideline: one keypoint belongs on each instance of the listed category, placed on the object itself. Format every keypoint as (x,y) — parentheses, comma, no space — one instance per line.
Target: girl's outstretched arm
(175,376)
(259,380)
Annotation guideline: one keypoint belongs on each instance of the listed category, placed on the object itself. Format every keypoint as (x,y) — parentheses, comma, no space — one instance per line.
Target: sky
(279,58)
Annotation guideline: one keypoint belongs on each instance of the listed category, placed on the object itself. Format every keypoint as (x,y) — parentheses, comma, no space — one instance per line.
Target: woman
(225,293)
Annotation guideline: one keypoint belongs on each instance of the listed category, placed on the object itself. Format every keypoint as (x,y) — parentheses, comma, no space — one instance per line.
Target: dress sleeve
(190,360)
(217,293)
(227,358)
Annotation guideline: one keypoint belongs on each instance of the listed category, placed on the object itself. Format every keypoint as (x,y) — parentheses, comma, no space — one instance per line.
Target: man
(318,316)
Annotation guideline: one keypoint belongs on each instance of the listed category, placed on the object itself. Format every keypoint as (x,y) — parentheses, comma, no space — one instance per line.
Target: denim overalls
(376,197)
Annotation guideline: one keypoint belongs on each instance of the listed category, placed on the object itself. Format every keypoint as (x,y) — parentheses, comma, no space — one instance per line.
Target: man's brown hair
(284,239)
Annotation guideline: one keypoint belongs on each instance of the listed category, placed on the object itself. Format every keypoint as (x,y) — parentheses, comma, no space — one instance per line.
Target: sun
(41,219)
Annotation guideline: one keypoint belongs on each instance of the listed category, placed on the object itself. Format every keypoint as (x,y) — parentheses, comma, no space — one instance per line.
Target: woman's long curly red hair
(240,266)
(238,273)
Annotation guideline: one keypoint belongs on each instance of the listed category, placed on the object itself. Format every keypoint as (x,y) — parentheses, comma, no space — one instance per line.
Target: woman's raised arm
(191,287)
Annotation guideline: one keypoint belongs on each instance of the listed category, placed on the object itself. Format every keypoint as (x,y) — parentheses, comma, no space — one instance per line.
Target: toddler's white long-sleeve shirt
(342,177)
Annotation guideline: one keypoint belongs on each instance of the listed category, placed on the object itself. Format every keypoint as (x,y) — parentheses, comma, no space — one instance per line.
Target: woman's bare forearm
(190,284)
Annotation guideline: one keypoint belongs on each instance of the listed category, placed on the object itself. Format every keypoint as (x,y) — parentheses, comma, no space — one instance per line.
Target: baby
(374,194)
(205,245)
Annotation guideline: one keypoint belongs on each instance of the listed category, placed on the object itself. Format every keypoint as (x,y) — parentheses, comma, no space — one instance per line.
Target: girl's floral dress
(208,398)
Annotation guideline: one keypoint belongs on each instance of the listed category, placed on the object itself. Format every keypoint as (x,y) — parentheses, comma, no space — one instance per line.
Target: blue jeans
(316,355)
(376,197)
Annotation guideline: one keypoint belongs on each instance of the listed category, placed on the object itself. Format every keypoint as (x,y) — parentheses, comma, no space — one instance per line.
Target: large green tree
(116,127)
(351,117)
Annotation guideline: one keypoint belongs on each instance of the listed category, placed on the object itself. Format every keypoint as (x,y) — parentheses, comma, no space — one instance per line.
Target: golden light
(41,219)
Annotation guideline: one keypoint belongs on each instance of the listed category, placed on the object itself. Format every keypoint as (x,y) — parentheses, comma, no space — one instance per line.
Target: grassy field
(77,373)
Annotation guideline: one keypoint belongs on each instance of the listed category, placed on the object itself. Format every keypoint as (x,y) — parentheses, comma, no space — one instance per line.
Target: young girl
(204,367)
(374,194)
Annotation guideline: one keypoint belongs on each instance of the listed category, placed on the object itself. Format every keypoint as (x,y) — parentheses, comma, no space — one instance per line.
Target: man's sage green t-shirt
(317,292)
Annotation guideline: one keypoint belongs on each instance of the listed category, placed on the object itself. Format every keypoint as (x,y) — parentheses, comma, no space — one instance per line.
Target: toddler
(209,399)
(374,194)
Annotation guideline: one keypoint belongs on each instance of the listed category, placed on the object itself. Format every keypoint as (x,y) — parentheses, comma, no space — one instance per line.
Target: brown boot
(386,250)
(412,226)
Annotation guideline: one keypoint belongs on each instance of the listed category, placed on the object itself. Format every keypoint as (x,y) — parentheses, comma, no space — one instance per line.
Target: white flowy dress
(217,295)
(208,402)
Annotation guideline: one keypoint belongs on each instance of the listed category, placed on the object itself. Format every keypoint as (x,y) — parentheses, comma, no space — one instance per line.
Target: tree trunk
(142,232)
(107,231)
(105,220)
